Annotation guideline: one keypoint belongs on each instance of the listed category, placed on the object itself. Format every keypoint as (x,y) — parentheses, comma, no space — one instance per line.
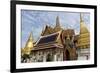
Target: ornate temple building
(58,44)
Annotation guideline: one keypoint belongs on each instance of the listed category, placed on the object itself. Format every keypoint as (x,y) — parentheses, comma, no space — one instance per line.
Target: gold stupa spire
(81,19)
(84,37)
(83,28)
(29,44)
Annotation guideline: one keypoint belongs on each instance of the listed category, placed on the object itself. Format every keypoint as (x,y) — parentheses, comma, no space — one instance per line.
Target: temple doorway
(49,58)
(67,55)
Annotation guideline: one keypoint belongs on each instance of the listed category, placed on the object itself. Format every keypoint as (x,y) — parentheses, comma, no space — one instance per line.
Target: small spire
(31,36)
(30,39)
(81,20)
(57,21)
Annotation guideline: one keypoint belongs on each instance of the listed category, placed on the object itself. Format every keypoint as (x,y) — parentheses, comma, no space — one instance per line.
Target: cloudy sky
(35,21)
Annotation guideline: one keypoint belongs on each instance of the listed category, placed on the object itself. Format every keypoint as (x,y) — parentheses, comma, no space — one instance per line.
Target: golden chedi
(84,37)
(29,45)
